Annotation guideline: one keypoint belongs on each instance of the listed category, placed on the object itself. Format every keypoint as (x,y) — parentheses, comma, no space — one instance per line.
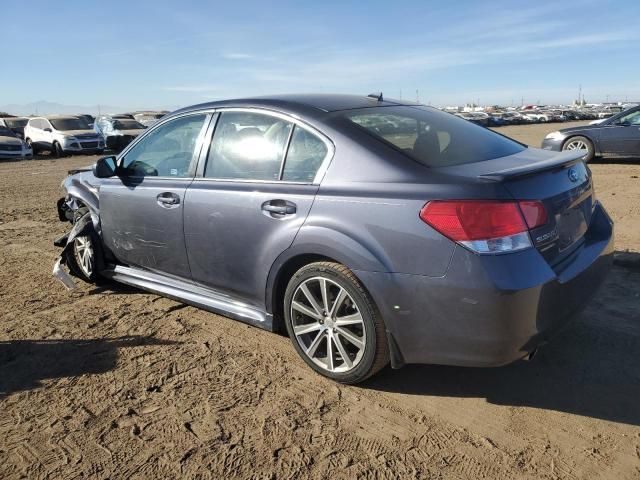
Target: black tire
(374,354)
(56,150)
(580,140)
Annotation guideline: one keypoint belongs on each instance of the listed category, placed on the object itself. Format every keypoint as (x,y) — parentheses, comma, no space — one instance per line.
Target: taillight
(485,226)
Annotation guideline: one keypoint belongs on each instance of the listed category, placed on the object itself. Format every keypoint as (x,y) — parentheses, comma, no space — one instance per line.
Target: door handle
(277,208)
(168,199)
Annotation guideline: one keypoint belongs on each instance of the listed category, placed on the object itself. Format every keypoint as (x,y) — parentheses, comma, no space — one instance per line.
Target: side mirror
(105,167)
(47,130)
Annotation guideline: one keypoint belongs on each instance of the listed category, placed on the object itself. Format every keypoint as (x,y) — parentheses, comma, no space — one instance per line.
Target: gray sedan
(372,231)
(617,136)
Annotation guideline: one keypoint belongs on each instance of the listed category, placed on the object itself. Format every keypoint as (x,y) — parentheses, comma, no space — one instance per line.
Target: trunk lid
(561,181)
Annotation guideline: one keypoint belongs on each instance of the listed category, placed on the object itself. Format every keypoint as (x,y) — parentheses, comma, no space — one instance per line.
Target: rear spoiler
(561,160)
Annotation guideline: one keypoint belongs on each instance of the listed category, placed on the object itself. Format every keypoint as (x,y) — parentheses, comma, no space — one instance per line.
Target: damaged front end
(80,210)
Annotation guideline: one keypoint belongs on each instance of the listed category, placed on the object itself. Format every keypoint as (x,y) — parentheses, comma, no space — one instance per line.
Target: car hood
(73,133)
(5,140)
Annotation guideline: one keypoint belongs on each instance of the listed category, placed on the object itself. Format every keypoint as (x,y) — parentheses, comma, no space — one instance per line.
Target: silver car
(373,231)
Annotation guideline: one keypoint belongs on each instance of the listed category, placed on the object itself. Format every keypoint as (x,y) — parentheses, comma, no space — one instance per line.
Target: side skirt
(191,294)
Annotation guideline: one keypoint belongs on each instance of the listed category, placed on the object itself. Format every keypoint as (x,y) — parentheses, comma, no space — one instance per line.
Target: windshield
(127,125)
(16,122)
(433,138)
(69,124)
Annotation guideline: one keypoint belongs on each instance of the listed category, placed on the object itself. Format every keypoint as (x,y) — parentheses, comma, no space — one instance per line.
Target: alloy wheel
(328,325)
(576,145)
(83,251)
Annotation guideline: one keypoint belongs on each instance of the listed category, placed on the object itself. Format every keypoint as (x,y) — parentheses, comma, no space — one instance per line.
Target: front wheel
(56,150)
(334,324)
(580,143)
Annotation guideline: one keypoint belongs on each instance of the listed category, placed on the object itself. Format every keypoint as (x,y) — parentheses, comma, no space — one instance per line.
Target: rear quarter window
(432,137)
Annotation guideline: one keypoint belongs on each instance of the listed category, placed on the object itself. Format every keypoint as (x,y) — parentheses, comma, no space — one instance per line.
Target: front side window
(167,151)
(632,118)
(247,146)
(431,137)
(304,157)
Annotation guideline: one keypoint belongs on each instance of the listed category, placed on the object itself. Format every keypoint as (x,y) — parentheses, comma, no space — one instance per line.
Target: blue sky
(156,53)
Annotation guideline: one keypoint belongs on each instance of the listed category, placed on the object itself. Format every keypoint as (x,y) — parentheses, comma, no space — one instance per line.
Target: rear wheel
(580,143)
(333,323)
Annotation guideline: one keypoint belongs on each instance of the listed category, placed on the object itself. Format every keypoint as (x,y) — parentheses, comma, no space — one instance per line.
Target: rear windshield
(69,124)
(432,137)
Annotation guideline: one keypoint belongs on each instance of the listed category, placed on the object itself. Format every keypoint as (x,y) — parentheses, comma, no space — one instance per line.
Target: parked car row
(536,114)
(23,137)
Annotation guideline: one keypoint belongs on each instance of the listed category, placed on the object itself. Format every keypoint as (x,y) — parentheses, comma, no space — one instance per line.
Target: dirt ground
(110,382)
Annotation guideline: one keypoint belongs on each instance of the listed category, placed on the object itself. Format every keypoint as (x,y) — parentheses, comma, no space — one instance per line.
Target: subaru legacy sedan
(373,231)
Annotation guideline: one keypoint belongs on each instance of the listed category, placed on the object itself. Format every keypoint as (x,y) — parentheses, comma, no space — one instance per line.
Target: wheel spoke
(306,328)
(325,294)
(353,319)
(330,362)
(316,343)
(338,302)
(343,351)
(357,341)
(311,299)
(307,311)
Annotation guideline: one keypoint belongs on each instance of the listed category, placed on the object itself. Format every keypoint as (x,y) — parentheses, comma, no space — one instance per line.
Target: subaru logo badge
(573,175)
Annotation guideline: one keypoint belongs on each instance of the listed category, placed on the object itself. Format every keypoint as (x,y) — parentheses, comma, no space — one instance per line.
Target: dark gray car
(372,230)
(617,136)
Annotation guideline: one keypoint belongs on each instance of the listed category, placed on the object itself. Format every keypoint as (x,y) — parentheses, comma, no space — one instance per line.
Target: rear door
(141,210)
(247,203)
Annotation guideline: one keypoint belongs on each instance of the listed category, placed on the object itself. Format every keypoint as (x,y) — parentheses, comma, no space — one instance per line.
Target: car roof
(305,102)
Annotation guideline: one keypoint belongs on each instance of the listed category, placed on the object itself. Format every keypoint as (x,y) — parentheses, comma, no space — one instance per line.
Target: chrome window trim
(200,142)
(296,121)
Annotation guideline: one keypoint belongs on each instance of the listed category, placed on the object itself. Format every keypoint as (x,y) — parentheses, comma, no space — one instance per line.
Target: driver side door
(141,209)
(622,137)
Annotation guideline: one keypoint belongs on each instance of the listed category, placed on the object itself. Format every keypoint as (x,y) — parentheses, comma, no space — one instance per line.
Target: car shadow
(24,364)
(591,369)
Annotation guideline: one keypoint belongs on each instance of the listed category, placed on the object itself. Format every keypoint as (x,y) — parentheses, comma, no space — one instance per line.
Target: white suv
(62,135)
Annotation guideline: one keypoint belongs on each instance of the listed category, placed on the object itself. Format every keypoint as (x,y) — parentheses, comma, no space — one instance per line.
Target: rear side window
(304,157)
(432,137)
(248,146)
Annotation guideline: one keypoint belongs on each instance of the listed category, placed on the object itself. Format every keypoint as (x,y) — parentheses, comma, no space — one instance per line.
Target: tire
(347,343)
(580,143)
(82,256)
(56,150)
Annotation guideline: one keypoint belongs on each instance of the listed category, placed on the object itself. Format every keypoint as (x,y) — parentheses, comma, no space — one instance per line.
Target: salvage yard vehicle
(15,124)
(617,136)
(372,230)
(62,135)
(117,133)
(12,146)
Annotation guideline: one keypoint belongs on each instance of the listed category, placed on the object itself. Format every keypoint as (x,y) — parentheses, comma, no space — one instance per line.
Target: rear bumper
(494,309)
